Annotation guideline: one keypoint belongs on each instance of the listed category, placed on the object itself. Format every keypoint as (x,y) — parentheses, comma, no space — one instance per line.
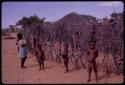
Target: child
(40,56)
(65,56)
(22,49)
(119,65)
(92,55)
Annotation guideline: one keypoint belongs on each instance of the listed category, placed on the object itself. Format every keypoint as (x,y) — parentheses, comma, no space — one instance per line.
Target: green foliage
(29,20)
(12,28)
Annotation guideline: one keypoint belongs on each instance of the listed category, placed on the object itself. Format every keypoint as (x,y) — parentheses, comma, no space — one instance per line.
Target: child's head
(19,35)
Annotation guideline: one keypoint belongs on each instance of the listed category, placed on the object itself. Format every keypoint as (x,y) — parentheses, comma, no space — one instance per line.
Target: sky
(53,11)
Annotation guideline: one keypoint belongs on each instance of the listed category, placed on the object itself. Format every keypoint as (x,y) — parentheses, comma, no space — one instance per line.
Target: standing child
(65,56)
(22,49)
(92,55)
(40,56)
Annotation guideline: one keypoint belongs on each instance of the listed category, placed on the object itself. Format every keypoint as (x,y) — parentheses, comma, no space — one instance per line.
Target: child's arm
(17,45)
(35,52)
(18,49)
(87,54)
(96,53)
(36,56)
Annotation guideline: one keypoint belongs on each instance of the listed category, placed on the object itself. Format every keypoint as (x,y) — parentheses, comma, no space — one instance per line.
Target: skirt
(22,52)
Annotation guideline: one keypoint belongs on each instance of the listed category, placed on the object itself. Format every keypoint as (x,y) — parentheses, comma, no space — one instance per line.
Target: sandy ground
(53,73)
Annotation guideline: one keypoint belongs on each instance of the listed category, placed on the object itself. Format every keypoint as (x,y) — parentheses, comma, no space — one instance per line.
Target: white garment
(22,50)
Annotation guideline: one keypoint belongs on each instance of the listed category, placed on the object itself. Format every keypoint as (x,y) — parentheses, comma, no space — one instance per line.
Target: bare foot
(39,69)
(88,80)
(23,67)
(65,71)
(97,80)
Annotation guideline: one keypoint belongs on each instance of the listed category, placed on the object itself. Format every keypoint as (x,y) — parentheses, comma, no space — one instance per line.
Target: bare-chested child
(65,56)
(91,58)
(39,53)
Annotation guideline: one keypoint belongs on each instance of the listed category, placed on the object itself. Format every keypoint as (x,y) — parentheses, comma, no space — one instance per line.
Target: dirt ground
(53,73)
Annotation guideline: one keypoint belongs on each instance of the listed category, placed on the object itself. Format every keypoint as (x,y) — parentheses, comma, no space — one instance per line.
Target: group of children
(22,50)
(92,54)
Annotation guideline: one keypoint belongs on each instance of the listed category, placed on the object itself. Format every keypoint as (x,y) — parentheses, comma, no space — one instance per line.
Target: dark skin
(92,47)
(16,44)
(23,59)
(65,58)
(41,57)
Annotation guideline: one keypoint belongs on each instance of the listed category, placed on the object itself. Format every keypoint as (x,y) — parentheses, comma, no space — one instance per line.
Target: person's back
(65,53)
(40,55)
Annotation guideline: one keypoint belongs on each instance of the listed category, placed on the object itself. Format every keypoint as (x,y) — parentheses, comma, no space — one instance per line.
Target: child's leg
(95,71)
(39,65)
(66,64)
(21,62)
(43,64)
(24,59)
(67,68)
(89,73)
(96,75)
(107,71)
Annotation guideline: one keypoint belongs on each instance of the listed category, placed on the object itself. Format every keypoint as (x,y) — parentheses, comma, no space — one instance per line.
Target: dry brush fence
(109,38)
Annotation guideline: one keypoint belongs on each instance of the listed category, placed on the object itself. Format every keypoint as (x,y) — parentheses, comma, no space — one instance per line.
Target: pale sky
(52,11)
